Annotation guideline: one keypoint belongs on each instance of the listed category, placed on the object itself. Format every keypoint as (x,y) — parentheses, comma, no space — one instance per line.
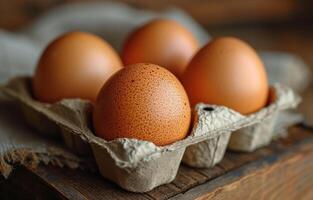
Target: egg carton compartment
(135,165)
(258,135)
(19,89)
(248,138)
(36,115)
(143,173)
(207,153)
(40,122)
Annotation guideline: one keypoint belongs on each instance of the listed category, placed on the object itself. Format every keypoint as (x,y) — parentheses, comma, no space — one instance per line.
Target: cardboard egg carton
(135,165)
(248,138)
(260,134)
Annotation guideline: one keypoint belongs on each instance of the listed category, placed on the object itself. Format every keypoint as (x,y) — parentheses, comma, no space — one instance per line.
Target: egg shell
(75,65)
(162,42)
(143,101)
(227,71)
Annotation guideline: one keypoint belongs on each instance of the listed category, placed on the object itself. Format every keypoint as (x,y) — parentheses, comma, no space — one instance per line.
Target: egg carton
(258,135)
(35,114)
(248,138)
(135,165)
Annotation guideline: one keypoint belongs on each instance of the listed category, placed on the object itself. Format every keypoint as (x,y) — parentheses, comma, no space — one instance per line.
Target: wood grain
(283,166)
(287,175)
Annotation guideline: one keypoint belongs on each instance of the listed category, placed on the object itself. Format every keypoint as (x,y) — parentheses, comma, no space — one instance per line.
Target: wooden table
(283,170)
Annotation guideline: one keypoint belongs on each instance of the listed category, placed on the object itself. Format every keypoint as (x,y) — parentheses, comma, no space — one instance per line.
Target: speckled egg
(142,101)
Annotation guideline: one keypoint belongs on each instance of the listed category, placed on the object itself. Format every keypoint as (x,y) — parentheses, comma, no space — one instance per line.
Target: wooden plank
(287,175)
(83,184)
(164,192)
(212,173)
(74,184)
(187,178)
(24,184)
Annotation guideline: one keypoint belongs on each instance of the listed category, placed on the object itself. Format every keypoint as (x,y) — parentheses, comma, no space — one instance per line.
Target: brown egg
(75,65)
(228,72)
(162,42)
(142,101)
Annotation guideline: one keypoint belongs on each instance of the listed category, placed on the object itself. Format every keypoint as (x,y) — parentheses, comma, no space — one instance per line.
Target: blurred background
(15,14)
(268,25)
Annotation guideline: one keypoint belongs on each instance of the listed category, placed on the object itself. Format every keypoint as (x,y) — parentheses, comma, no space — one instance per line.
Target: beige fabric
(19,144)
